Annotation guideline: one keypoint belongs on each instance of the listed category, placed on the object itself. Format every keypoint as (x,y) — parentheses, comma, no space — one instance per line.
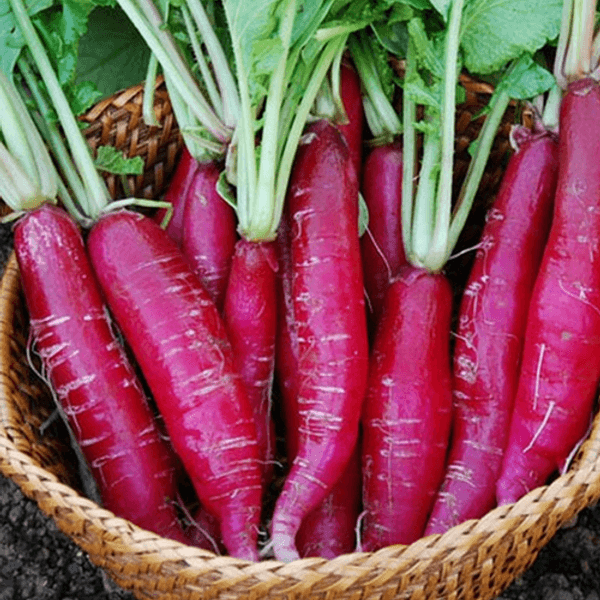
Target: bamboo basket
(477,559)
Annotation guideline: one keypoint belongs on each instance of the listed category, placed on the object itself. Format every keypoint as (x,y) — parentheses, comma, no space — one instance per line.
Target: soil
(38,562)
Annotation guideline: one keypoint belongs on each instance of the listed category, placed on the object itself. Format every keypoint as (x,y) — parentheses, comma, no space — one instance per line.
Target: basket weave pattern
(477,559)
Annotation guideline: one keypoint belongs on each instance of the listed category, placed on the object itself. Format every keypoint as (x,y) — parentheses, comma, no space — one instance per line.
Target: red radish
(560,368)
(251,322)
(327,291)
(176,195)
(209,231)
(352,130)
(180,343)
(491,329)
(407,412)
(92,378)
(381,245)
(330,529)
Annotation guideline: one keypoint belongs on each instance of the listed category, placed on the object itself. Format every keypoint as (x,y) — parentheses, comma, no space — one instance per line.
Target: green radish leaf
(226,190)
(527,79)
(11,40)
(112,54)
(442,6)
(363,215)
(109,159)
(496,31)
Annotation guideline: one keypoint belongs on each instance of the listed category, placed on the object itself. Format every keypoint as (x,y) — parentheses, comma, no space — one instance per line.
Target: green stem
(578,57)
(148,113)
(563,39)
(227,83)
(384,120)
(98,195)
(328,54)
(54,139)
(423,211)
(16,188)
(209,82)
(551,114)
(438,252)
(145,17)
(476,168)
(13,128)
(260,225)
(409,156)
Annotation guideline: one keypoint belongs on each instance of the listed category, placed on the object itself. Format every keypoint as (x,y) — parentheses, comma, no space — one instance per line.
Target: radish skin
(329,310)
(407,412)
(330,529)
(491,328)
(180,343)
(209,231)
(176,195)
(352,130)
(251,322)
(93,380)
(381,246)
(560,368)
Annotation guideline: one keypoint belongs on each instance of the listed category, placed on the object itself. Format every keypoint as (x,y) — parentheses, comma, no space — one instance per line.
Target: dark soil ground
(38,562)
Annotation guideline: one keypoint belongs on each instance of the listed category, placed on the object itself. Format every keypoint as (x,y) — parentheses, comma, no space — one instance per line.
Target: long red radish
(352,130)
(330,529)
(92,378)
(176,195)
(251,323)
(209,231)
(407,412)
(180,343)
(561,355)
(381,245)
(327,291)
(491,329)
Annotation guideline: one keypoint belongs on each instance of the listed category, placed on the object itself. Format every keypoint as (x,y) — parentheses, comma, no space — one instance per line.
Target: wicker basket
(477,559)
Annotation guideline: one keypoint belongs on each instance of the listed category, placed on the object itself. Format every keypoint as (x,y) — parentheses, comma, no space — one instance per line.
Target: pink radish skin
(560,368)
(329,310)
(209,231)
(251,322)
(176,195)
(180,343)
(381,245)
(352,131)
(93,380)
(407,412)
(330,529)
(491,329)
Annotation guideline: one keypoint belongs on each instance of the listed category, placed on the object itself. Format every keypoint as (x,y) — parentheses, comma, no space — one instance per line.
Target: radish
(382,248)
(177,336)
(560,368)
(176,195)
(330,529)
(352,128)
(93,381)
(86,365)
(408,406)
(209,231)
(491,328)
(406,418)
(250,318)
(180,343)
(332,351)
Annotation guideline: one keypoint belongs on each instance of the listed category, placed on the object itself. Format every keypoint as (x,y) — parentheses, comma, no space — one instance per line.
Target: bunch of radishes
(292,269)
